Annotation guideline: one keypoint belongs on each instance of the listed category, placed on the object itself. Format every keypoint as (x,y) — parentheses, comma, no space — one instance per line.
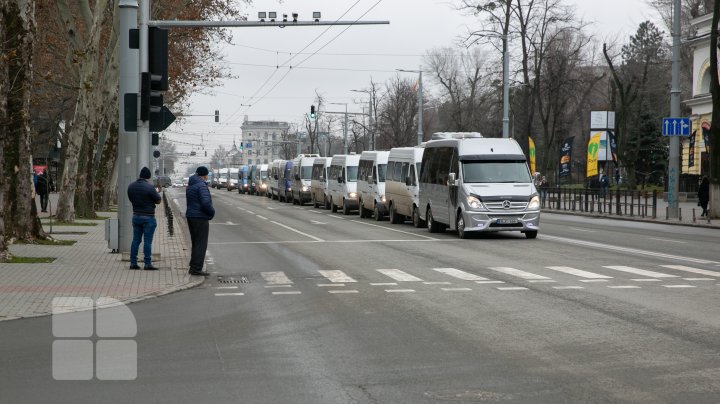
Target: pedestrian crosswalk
(503,279)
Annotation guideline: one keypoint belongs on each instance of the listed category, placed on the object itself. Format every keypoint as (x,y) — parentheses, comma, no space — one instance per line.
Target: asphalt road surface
(308,306)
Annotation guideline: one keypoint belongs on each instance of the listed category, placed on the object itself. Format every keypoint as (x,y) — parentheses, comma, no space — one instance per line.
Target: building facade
(262,140)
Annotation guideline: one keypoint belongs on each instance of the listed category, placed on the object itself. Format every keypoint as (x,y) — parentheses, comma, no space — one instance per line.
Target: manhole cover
(233,279)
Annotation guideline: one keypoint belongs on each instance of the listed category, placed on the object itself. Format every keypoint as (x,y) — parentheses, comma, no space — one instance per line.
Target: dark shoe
(199,273)
(150,268)
(136,266)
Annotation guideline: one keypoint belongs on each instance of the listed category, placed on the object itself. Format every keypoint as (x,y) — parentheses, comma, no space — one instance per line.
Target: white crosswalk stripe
(641,272)
(693,270)
(399,275)
(518,273)
(456,273)
(276,278)
(579,272)
(336,276)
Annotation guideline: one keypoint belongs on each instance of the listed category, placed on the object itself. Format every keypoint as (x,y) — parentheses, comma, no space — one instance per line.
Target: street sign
(676,127)
(161,120)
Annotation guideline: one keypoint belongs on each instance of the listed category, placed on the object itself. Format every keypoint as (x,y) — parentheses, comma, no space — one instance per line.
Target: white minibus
(318,183)
(371,184)
(342,182)
(401,184)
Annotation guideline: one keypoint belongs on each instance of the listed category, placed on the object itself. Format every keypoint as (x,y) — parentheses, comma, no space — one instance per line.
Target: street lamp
(370,117)
(420,102)
(345,146)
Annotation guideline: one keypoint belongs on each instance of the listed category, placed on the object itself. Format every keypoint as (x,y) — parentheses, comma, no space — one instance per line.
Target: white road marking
(399,275)
(641,272)
(693,270)
(336,217)
(229,223)
(456,273)
(699,279)
(542,281)
(293,292)
(437,283)
(567,287)
(395,230)
(343,291)
(277,278)
(512,288)
(226,287)
(337,276)
(400,290)
(277,286)
(316,222)
(586,230)
(384,284)
(668,240)
(624,287)
(326,285)
(628,250)
(297,231)
(229,294)
(271,208)
(485,282)
(262,217)
(317,211)
(518,273)
(455,289)
(646,280)
(374,241)
(249,212)
(579,272)
(593,280)
(678,286)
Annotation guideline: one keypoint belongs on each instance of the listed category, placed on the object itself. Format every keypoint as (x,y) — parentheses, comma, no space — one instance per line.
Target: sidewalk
(89,269)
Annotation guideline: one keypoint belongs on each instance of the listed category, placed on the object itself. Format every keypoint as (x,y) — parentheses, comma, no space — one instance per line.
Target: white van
(232,181)
(474,184)
(276,184)
(318,183)
(223,178)
(260,178)
(371,184)
(301,176)
(401,184)
(342,182)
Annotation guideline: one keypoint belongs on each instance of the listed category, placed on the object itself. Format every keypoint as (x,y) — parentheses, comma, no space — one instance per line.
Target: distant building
(696,159)
(258,137)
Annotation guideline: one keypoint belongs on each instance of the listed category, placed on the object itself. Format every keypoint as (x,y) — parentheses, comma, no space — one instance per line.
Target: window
(397,172)
(405,171)
(496,171)
(306,172)
(352,174)
(413,178)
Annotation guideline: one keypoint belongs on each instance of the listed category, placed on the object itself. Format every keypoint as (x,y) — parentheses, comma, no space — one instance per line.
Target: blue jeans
(143,228)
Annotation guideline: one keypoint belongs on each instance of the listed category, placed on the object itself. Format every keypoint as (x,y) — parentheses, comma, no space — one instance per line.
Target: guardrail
(613,202)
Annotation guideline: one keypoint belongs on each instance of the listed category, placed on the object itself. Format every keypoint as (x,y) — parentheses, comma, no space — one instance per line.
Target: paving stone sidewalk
(89,269)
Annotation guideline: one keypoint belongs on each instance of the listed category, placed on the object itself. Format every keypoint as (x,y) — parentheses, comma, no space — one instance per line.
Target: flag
(531,152)
(613,146)
(592,155)
(691,150)
(566,157)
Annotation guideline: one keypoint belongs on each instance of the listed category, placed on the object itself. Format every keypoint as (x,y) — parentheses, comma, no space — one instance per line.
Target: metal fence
(611,201)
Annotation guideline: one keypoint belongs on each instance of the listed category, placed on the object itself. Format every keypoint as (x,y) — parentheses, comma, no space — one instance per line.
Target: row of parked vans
(459,181)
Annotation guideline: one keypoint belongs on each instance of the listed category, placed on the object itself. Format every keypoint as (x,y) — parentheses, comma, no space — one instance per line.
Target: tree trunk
(16,191)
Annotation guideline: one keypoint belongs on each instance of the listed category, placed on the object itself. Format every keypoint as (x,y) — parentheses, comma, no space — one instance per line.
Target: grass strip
(31,260)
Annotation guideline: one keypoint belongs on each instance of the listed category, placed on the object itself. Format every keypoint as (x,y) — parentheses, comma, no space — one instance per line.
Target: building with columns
(258,137)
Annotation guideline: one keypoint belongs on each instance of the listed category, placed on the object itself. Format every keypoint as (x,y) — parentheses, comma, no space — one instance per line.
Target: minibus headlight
(382,199)
(353,195)
(245,185)
(474,202)
(305,189)
(534,203)
(263,186)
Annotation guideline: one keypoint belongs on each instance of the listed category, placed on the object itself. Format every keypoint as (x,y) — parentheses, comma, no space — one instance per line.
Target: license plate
(506,221)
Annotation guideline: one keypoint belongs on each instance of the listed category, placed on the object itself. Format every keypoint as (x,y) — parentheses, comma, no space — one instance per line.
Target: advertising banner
(613,145)
(531,152)
(566,157)
(691,150)
(592,155)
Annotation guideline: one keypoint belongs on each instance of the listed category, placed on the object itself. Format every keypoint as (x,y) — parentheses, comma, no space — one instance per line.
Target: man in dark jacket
(42,188)
(143,197)
(199,213)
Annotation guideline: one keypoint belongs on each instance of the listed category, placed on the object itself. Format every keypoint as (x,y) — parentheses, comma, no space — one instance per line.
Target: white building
(258,137)
(696,160)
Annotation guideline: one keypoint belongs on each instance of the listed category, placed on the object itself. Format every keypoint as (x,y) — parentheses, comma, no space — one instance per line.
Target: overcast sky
(345,58)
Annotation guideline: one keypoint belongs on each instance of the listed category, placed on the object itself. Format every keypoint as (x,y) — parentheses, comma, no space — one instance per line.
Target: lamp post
(345,145)
(420,133)
(370,117)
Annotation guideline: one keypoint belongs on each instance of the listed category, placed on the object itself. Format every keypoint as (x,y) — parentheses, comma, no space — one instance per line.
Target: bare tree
(397,126)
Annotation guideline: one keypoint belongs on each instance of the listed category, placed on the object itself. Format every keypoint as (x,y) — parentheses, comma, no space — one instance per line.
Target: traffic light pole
(144,151)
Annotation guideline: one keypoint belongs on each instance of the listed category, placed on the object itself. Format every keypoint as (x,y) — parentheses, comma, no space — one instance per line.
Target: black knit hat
(145,173)
(202,171)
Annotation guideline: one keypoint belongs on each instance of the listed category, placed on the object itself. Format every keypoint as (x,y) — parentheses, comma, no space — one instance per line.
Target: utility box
(112,235)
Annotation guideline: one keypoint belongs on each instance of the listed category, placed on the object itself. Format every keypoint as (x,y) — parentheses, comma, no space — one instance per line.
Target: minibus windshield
(495,171)
(352,174)
(382,168)
(306,172)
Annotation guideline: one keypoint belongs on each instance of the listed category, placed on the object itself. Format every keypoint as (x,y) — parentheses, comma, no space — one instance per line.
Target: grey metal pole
(127,145)
(506,89)
(345,128)
(370,128)
(144,151)
(421,135)
(674,158)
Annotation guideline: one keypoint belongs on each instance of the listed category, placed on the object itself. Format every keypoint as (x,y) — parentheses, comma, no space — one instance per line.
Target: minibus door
(453,180)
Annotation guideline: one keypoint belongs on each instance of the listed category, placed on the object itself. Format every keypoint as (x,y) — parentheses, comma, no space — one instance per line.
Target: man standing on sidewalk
(199,213)
(143,197)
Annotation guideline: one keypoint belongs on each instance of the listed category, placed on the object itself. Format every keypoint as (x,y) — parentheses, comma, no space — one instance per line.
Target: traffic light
(156,153)
(151,98)
(155,139)
(217,116)
(312,112)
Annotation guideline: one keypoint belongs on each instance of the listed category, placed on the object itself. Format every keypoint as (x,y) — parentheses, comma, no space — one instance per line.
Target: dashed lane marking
(384,284)
(297,231)
(593,280)
(698,279)
(277,286)
(503,288)
(400,290)
(396,230)
(327,285)
(226,287)
(437,283)
(343,291)
(485,282)
(646,280)
(624,287)
(262,217)
(229,294)
(579,272)
(678,286)
(455,289)
(641,272)
(668,240)
(692,270)
(541,281)
(292,292)
(567,287)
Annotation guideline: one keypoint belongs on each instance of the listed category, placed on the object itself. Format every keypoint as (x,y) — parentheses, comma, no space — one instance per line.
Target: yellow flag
(592,155)
(531,151)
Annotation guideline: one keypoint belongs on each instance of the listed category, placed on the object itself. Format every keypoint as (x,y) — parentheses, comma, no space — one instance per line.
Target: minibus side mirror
(297,177)
(370,180)
(275,176)
(408,182)
(340,179)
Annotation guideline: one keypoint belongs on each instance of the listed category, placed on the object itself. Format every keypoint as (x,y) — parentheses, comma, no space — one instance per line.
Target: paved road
(334,309)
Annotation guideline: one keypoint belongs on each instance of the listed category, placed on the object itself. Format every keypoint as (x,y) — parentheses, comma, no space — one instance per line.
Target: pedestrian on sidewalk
(144,197)
(704,195)
(199,213)
(543,186)
(42,188)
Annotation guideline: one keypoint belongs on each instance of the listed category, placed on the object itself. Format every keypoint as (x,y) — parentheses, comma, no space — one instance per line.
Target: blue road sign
(676,127)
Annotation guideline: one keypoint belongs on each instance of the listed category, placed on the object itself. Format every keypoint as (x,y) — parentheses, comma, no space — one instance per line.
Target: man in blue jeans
(143,197)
